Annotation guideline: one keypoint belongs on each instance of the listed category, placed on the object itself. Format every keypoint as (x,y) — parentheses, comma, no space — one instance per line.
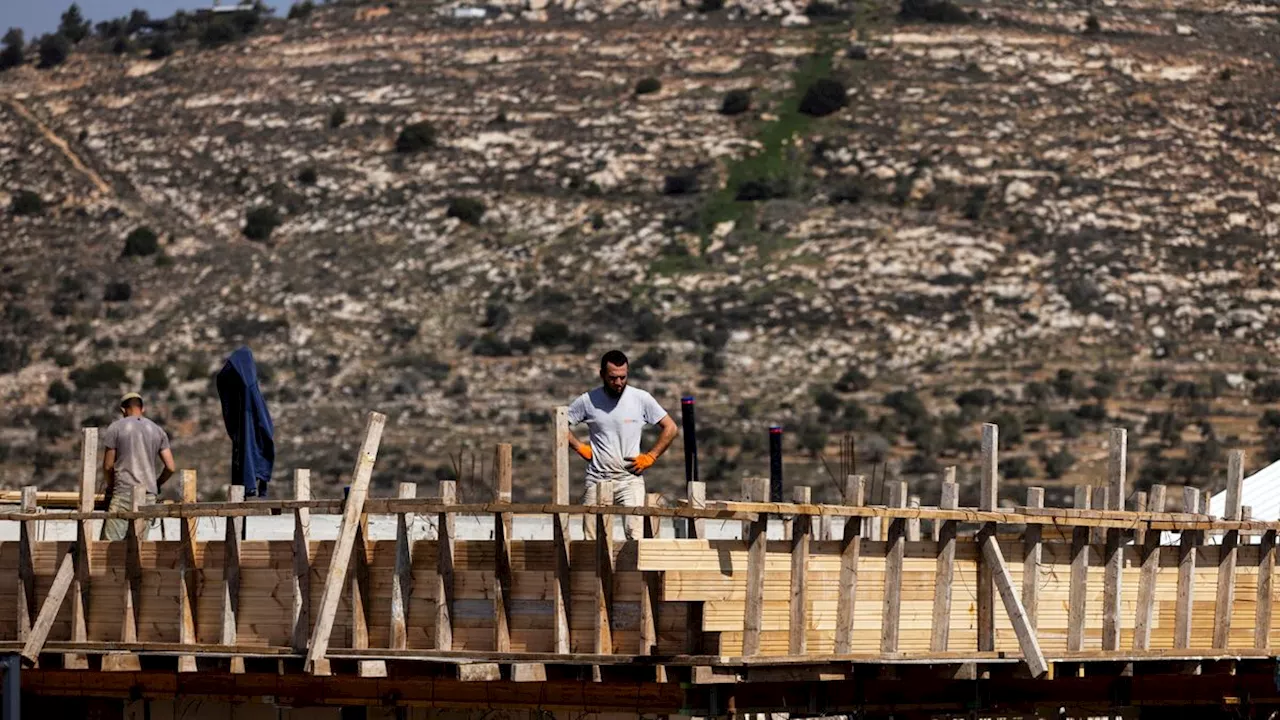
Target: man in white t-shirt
(615,415)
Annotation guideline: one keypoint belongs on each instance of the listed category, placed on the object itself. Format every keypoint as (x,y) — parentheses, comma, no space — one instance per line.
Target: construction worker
(615,415)
(133,443)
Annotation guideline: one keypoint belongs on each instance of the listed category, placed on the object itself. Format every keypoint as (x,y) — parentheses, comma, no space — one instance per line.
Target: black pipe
(690,439)
(12,693)
(775,464)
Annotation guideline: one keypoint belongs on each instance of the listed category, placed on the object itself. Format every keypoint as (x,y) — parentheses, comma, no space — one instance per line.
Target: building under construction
(726,606)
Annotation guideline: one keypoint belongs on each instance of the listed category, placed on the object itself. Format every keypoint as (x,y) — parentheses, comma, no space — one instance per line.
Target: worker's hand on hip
(639,463)
(584,451)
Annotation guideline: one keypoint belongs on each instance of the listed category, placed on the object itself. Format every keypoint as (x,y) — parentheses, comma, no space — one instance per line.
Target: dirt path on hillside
(55,140)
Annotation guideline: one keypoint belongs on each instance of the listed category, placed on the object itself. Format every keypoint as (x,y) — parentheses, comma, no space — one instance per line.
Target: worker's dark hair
(131,403)
(613,357)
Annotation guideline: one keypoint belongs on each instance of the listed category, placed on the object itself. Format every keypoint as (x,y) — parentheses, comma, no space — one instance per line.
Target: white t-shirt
(615,426)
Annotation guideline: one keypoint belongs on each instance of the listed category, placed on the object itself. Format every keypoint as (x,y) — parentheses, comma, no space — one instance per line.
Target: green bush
(54,50)
(1057,464)
(73,26)
(58,393)
(735,102)
(219,31)
(337,118)
(140,243)
(684,182)
(260,222)
(13,356)
(302,10)
(308,176)
(416,137)
(827,401)
(468,210)
(549,333)
(120,45)
(26,202)
(154,378)
(824,97)
(934,11)
(161,47)
(1016,468)
(13,53)
(490,345)
(709,6)
(104,375)
(852,380)
(648,86)
(115,292)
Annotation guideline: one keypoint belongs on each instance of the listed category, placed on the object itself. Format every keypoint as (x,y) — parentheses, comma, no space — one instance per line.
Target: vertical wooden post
(402,579)
(987,499)
(801,533)
(1079,575)
(940,632)
(1140,504)
(1147,580)
(231,576)
(1230,542)
(695,528)
(340,560)
(26,565)
(301,562)
(850,546)
(445,535)
(502,552)
(189,568)
(1031,561)
(913,524)
(895,550)
(757,537)
(84,536)
(1114,549)
(697,492)
(651,592)
(1266,575)
(603,619)
(561,599)
(1186,573)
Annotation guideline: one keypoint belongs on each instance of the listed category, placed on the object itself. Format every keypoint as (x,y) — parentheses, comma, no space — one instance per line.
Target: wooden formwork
(1009,595)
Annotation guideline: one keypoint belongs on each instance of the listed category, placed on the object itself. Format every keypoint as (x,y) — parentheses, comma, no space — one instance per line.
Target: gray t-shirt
(615,426)
(137,442)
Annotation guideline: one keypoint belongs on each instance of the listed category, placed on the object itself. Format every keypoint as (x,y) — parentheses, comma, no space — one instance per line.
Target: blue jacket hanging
(244,410)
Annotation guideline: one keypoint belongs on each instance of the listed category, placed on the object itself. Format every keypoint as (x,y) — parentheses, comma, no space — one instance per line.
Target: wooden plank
(62,582)
(301,605)
(560,456)
(336,578)
(1026,635)
(1186,573)
(231,578)
(940,628)
(560,589)
(987,500)
(502,551)
(913,524)
(801,533)
(1114,550)
(84,537)
(651,596)
(1227,553)
(757,536)
(361,600)
(850,547)
(445,538)
(1079,575)
(1140,504)
(697,494)
(1150,574)
(1031,561)
(891,612)
(695,528)
(189,582)
(26,567)
(1266,574)
(402,579)
(602,638)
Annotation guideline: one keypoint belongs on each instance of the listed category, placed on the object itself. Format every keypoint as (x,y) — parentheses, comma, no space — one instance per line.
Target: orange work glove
(639,463)
(584,451)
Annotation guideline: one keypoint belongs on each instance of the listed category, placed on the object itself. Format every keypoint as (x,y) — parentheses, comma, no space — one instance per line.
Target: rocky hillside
(850,222)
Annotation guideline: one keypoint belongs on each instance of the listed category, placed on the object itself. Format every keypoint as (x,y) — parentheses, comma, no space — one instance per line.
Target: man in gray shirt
(615,415)
(133,445)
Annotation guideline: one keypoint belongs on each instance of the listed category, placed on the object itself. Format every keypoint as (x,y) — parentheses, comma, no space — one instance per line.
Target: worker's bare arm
(109,467)
(166,456)
(583,449)
(669,432)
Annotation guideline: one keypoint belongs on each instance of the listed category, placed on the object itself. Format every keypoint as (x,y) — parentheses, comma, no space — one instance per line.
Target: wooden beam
(84,535)
(561,599)
(1026,635)
(189,582)
(940,628)
(1228,552)
(850,547)
(1031,561)
(602,619)
(1113,570)
(757,536)
(402,579)
(336,578)
(913,524)
(26,566)
(446,533)
(301,606)
(895,552)
(651,596)
(987,500)
(1147,580)
(231,577)
(502,575)
(1079,575)
(801,534)
(1186,573)
(1266,576)
(697,494)
(62,581)
(360,600)
(560,456)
